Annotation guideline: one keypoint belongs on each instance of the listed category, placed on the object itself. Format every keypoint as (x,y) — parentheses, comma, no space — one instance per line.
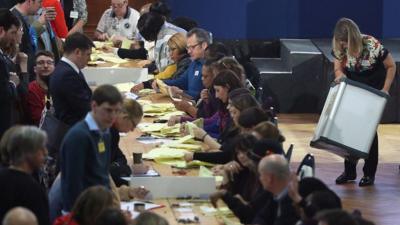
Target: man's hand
(14,78)
(103,37)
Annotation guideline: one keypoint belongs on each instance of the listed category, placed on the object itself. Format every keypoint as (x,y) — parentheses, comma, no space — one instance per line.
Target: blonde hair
(133,109)
(346,30)
(268,130)
(178,41)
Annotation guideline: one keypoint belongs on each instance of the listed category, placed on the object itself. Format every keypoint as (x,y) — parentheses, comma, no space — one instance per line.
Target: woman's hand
(188,157)
(137,88)
(232,167)
(174,120)
(199,133)
(138,192)
(182,105)
(154,85)
(216,196)
(204,95)
(339,78)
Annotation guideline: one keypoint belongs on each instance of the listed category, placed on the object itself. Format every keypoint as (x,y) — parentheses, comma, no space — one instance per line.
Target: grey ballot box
(349,119)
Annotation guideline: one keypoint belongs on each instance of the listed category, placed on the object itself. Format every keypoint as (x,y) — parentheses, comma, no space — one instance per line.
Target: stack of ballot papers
(173,153)
(161,130)
(124,87)
(158,109)
(101,44)
(162,87)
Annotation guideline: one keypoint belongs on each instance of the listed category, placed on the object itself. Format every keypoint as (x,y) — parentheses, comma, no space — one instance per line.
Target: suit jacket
(70,93)
(7,95)
(8,4)
(27,46)
(277,212)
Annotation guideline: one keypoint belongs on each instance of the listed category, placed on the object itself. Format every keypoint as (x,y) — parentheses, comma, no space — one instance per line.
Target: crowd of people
(78,180)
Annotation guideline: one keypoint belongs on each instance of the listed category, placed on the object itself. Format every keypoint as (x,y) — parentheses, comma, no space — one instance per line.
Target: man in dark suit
(8,4)
(22,10)
(8,30)
(275,176)
(68,88)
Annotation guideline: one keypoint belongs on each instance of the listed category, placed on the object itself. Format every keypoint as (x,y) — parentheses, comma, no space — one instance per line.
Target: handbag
(55,130)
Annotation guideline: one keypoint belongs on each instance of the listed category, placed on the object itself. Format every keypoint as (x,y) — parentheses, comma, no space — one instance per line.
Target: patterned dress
(368,68)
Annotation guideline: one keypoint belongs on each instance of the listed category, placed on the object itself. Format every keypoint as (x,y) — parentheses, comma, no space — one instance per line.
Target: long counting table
(129,144)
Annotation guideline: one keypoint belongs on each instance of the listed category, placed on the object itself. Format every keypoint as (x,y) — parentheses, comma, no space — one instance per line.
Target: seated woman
(215,63)
(245,204)
(225,82)
(178,54)
(223,151)
(89,205)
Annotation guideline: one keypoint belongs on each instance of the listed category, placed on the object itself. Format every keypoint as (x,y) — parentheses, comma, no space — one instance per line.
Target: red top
(59,25)
(36,101)
(65,220)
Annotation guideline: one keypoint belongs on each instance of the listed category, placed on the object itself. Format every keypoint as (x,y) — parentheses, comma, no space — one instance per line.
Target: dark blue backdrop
(265,19)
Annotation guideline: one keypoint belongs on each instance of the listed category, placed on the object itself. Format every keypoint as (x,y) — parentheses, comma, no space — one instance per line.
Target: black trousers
(370,165)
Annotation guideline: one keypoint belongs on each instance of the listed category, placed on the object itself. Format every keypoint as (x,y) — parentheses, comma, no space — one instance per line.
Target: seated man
(274,175)
(38,89)
(190,82)
(120,21)
(86,148)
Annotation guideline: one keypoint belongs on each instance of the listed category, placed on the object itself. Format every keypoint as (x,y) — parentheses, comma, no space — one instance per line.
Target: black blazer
(7,95)
(70,93)
(277,212)
(26,45)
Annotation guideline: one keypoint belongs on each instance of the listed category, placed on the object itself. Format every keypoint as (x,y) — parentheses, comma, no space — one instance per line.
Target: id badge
(101,146)
(74,14)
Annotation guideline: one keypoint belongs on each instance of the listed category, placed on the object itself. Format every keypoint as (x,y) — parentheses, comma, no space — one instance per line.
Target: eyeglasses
(42,62)
(192,46)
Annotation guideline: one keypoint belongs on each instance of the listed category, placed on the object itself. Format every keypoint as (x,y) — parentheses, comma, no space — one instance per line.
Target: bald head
(20,216)
(276,165)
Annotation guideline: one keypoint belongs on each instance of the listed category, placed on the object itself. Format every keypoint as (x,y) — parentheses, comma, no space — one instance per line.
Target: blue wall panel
(266,19)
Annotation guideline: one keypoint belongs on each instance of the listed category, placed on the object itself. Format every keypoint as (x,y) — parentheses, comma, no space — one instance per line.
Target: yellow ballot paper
(126,43)
(205,172)
(189,147)
(124,87)
(165,153)
(162,86)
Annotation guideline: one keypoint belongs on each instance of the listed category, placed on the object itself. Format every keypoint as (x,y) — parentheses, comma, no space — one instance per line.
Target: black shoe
(344,178)
(366,181)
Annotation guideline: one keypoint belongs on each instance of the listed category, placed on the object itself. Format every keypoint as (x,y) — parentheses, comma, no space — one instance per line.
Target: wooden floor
(380,203)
